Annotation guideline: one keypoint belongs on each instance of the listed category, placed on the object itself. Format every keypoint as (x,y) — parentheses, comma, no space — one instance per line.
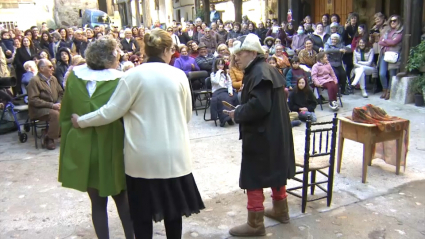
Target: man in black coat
(265,129)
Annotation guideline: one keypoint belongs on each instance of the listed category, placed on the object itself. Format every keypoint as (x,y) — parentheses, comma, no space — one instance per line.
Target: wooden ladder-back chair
(319,154)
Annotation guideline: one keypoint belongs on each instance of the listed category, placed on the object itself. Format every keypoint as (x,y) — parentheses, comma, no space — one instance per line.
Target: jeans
(383,68)
(303,116)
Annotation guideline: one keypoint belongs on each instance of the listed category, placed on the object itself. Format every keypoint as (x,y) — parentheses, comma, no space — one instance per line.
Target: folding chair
(201,93)
(319,158)
(319,92)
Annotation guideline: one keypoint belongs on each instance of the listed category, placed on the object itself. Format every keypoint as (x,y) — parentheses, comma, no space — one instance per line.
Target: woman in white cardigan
(155,102)
(363,65)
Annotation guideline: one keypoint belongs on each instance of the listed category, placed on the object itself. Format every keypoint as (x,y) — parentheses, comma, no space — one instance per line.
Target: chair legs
(304,191)
(313,181)
(207,105)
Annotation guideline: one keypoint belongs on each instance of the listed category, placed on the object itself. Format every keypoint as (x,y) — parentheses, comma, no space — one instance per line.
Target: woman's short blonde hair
(222,47)
(78,60)
(102,53)
(156,42)
(183,46)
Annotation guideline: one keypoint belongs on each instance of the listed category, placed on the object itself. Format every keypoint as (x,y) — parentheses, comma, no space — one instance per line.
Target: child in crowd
(302,101)
(222,90)
(273,62)
(295,73)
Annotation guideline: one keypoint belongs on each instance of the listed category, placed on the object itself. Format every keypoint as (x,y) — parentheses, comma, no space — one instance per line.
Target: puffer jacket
(391,41)
(318,42)
(368,56)
(323,73)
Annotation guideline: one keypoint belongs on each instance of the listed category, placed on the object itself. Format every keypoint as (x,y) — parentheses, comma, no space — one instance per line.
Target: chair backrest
(320,141)
(197,75)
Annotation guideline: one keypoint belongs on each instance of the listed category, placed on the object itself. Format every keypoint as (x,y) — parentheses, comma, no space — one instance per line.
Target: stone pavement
(34,205)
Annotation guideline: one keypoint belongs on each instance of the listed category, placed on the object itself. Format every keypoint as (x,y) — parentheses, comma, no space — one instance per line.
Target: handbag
(391,57)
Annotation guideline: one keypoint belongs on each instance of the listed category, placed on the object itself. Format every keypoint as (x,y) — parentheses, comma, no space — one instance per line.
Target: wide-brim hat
(201,45)
(250,42)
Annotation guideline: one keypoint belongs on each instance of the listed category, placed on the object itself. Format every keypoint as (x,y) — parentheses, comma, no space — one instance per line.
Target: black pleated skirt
(158,199)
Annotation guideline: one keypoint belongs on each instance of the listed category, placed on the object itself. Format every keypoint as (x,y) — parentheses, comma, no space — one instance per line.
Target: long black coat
(268,158)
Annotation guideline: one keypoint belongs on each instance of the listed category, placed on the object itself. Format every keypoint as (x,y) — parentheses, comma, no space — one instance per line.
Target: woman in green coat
(91,159)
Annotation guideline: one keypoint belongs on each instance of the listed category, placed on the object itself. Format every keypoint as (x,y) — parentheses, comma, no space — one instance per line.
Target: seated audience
(185,62)
(209,41)
(282,59)
(324,77)
(302,101)
(205,59)
(363,65)
(44,101)
(295,73)
(62,64)
(308,55)
(222,91)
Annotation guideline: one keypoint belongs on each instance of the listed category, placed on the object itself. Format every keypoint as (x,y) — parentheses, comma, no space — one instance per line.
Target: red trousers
(256,198)
(332,90)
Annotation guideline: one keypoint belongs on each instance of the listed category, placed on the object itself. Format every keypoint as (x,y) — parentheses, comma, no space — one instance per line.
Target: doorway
(340,7)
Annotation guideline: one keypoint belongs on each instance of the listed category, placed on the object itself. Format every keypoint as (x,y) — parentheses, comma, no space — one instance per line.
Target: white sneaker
(364,93)
(334,105)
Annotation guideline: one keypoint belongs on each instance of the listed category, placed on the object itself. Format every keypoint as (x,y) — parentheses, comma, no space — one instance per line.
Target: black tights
(173,229)
(342,78)
(100,215)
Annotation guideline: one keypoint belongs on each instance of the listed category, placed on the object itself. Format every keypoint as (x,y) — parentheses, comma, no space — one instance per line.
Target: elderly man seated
(44,101)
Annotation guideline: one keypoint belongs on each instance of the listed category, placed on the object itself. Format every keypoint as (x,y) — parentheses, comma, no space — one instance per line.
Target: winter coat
(334,54)
(221,37)
(236,75)
(210,43)
(298,42)
(306,58)
(205,63)
(234,35)
(368,56)
(62,67)
(323,73)
(299,99)
(21,57)
(349,34)
(265,129)
(391,41)
(293,75)
(7,44)
(261,33)
(185,63)
(4,72)
(318,42)
(131,46)
(42,97)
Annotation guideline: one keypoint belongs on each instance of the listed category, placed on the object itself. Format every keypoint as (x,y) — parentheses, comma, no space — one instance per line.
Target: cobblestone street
(34,205)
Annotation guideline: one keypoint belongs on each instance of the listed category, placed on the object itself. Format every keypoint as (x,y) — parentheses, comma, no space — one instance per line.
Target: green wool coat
(91,157)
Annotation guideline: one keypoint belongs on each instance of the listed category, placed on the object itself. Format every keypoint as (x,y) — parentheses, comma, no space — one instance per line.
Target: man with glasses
(44,101)
(209,41)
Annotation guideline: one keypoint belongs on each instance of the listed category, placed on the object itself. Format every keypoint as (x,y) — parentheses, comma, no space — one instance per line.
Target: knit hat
(335,35)
(250,42)
(334,24)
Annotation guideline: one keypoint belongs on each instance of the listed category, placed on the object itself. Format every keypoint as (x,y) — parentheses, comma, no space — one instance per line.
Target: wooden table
(368,135)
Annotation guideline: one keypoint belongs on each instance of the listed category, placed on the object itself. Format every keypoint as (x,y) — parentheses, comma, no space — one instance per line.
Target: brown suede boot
(384,93)
(387,96)
(254,226)
(279,212)
(49,143)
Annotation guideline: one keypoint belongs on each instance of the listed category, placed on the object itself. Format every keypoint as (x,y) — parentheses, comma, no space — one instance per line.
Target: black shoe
(230,122)
(345,93)
(222,124)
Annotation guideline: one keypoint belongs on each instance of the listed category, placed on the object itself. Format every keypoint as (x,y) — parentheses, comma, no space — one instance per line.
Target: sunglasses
(393,20)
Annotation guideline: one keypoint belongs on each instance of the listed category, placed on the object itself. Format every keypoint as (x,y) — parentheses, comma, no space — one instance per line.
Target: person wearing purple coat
(185,62)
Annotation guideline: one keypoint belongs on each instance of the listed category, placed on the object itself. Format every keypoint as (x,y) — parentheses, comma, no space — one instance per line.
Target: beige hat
(250,42)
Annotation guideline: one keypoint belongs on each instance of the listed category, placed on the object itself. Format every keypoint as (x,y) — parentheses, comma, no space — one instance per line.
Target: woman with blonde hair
(92,160)
(160,183)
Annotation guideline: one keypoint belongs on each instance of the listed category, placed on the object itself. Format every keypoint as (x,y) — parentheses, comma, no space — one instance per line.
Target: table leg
(371,155)
(340,149)
(367,155)
(399,143)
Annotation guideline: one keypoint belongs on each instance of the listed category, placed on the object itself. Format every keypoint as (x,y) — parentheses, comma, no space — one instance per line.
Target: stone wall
(66,12)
